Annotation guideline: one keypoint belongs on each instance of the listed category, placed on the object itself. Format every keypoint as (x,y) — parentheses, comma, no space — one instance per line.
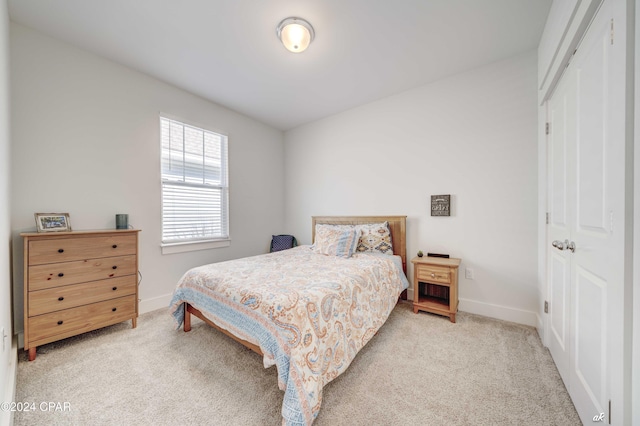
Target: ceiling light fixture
(295,33)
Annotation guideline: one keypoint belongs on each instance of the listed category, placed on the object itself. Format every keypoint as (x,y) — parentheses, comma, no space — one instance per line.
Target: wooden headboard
(397,226)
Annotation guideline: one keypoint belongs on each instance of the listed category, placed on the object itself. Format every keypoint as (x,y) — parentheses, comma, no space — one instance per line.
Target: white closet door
(562,135)
(586,254)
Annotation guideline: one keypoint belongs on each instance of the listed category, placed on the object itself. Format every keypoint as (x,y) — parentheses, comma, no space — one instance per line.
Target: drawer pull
(114,267)
(114,309)
(61,298)
(433,275)
(114,289)
(60,322)
(61,274)
(114,246)
(60,250)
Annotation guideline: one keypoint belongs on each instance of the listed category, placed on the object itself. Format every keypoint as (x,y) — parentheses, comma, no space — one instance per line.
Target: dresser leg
(134,322)
(452,317)
(32,353)
(415,310)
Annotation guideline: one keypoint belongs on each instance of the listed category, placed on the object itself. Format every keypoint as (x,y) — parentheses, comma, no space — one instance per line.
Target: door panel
(592,100)
(591,337)
(559,296)
(558,159)
(559,314)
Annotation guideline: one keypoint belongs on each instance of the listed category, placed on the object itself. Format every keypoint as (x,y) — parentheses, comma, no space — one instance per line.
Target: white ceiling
(227,51)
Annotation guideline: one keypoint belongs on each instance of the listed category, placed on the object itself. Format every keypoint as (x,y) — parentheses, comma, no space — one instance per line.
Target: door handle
(564,245)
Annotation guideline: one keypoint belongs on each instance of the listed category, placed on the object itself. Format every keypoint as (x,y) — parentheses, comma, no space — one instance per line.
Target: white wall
(8,357)
(473,136)
(86,141)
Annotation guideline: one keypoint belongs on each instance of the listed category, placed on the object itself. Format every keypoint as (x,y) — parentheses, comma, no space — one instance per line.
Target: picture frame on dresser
(52,222)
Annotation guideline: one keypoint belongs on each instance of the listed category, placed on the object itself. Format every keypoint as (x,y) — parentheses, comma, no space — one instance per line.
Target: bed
(306,310)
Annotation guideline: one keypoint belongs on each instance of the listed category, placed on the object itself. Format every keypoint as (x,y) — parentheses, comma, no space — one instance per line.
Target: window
(195,190)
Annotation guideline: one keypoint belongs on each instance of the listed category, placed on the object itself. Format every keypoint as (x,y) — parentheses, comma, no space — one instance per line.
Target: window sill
(193,246)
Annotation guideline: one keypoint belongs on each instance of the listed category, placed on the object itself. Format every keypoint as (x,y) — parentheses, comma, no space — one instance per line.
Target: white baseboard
(6,416)
(505,313)
(540,327)
(155,303)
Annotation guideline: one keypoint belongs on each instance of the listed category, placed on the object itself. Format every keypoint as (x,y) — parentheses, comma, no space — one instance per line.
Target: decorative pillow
(336,240)
(375,237)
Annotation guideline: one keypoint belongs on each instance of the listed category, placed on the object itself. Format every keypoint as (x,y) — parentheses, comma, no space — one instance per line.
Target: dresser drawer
(69,322)
(59,274)
(432,273)
(70,296)
(80,248)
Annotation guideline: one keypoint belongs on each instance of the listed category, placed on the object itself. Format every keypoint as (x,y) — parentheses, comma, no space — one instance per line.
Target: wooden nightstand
(435,285)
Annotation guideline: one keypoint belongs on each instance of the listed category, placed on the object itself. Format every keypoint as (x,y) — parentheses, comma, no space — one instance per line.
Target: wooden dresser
(76,282)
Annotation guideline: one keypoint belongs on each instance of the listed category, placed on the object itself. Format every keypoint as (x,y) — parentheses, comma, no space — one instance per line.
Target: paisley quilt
(309,313)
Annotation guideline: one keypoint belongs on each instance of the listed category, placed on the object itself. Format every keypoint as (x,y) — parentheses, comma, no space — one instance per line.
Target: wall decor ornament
(440,205)
(52,222)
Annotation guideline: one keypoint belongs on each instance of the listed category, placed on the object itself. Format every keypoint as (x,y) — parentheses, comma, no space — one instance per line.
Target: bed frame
(397,226)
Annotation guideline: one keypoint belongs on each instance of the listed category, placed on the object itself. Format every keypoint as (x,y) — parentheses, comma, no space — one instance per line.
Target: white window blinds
(194,183)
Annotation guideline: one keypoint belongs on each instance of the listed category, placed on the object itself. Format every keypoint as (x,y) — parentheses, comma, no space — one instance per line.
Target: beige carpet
(419,370)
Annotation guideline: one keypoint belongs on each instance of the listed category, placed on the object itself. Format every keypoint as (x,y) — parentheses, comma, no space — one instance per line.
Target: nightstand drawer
(433,273)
